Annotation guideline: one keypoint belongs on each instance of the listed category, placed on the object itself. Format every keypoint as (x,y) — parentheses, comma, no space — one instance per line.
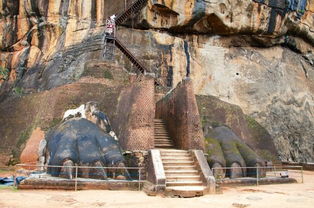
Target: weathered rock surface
(22,113)
(225,17)
(216,113)
(30,154)
(274,85)
(81,142)
(242,52)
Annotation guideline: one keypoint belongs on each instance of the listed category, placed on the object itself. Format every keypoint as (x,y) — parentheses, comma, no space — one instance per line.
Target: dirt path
(282,196)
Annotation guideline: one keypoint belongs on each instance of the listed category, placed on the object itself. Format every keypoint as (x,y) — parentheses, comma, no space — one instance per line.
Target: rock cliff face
(257,54)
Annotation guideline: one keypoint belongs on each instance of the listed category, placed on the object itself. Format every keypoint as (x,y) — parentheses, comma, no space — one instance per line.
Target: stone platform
(252,181)
(49,182)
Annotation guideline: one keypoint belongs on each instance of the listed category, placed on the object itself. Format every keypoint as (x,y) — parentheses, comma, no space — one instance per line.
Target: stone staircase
(162,139)
(182,176)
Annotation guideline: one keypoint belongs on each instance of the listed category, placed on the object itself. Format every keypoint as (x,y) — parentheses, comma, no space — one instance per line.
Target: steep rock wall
(239,51)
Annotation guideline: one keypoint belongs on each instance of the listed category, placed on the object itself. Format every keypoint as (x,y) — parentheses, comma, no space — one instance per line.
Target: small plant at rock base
(4,73)
(108,75)
(18,91)
(24,136)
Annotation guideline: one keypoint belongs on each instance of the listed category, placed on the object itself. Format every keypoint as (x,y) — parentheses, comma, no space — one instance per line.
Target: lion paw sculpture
(86,141)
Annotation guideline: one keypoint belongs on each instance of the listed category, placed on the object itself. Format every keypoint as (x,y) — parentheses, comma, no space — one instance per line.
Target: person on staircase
(110,27)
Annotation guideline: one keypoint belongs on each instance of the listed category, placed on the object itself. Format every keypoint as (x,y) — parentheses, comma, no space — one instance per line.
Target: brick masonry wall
(179,111)
(134,122)
(137,159)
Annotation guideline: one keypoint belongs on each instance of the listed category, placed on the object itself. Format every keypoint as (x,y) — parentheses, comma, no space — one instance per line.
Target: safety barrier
(260,175)
(133,175)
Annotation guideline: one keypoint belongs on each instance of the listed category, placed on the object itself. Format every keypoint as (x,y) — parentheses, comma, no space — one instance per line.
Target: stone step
(164,142)
(185,191)
(183,177)
(160,130)
(162,139)
(176,150)
(164,146)
(162,136)
(184,183)
(181,172)
(185,167)
(175,154)
(178,163)
(161,133)
(169,158)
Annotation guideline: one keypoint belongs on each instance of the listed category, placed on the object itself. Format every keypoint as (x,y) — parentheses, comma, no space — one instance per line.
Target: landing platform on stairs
(185,191)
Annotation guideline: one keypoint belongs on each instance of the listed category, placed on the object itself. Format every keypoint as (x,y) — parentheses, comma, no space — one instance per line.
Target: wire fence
(258,174)
(76,174)
(136,175)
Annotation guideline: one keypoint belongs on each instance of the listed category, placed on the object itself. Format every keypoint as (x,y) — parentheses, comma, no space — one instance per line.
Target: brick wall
(179,111)
(134,121)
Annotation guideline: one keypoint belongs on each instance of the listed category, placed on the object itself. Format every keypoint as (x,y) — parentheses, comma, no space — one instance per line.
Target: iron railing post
(76,170)
(257,175)
(139,179)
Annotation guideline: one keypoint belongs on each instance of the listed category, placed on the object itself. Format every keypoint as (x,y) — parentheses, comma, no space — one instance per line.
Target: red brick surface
(134,122)
(179,111)
(30,153)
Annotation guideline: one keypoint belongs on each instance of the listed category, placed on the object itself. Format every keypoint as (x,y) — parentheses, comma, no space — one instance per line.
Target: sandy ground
(283,196)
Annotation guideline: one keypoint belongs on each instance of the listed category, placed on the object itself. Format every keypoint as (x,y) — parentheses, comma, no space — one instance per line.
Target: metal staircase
(127,53)
(132,9)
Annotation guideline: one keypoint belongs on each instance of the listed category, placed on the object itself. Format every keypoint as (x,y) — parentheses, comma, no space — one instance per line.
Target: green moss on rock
(214,151)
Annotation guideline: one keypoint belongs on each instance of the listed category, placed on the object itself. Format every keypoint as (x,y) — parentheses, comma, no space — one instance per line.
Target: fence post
(275,170)
(302,179)
(139,179)
(257,175)
(76,169)
(14,180)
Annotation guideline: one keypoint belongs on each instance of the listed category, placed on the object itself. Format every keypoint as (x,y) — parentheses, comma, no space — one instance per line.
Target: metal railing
(132,174)
(259,174)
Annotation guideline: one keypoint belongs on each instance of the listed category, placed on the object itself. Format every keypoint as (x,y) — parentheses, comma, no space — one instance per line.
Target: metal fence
(259,174)
(81,173)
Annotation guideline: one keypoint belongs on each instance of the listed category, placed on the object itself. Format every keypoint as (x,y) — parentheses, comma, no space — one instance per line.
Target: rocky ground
(299,195)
